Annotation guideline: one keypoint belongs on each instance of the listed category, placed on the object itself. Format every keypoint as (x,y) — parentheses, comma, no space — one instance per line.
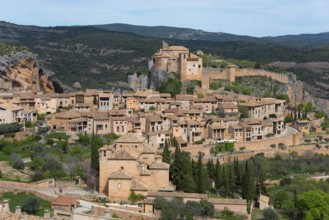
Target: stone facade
(131,164)
(180,60)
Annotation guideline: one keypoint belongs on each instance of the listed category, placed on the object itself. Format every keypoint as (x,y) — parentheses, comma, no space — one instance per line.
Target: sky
(243,17)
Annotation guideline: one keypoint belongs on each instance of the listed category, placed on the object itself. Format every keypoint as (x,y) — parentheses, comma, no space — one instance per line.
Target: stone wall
(40,195)
(290,140)
(36,185)
(209,74)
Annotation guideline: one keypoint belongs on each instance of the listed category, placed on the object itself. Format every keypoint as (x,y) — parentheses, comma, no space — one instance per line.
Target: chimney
(46,215)
(18,210)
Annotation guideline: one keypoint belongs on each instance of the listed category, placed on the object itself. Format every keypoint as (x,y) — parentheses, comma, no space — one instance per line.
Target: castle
(188,65)
(180,60)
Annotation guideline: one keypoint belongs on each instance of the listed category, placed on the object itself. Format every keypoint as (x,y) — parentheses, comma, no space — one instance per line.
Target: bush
(270,214)
(10,128)
(115,216)
(17,162)
(30,205)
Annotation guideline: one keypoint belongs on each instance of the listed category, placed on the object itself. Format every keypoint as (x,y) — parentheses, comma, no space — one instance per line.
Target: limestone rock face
(298,94)
(77,85)
(157,76)
(138,82)
(22,72)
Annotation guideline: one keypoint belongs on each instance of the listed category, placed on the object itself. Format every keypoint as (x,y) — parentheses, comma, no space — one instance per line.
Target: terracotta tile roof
(178,194)
(236,126)
(120,119)
(217,127)
(64,200)
(68,114)
(170,111)
(159,166)
(154,118)
(138,185)
(116,112)
(180,140)
(228,201)
(123,154)
(147,149)
(130,138)
(101,116)
(185,97)
(120,175)
(227,105)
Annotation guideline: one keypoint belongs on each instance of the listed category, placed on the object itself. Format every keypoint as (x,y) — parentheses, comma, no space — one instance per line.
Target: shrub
(10,128)
(115,216)
(30,205)
(16,161)
(270,214)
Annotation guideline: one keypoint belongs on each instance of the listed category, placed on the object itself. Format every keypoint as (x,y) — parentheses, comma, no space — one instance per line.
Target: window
(122,168)
(119,185)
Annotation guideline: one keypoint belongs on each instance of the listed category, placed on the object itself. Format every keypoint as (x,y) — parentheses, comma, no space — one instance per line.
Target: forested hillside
(94,56)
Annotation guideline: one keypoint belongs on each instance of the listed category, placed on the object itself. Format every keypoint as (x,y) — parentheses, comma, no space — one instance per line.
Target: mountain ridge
(197,34)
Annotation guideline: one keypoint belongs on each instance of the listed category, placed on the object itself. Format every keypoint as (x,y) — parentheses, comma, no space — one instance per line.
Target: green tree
(188,184)
(30,205)
(308,108)
(94,154)
(237,174)
(218,181)
(248,185)
(200,176)
(152,108)
(180,167)
(211,169)
(300,108)
(270,214)
(207,209)
(314,204)
(65,146)
(166,153)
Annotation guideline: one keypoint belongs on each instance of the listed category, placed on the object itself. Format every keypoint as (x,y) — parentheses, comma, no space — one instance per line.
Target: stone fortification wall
(283,78)
(209,74)
(36,185)
(290,140)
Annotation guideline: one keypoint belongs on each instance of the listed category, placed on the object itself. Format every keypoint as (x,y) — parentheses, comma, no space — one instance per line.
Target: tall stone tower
(231,69)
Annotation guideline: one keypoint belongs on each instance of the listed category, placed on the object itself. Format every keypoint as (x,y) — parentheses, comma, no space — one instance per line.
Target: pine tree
(218,182)
(180,167)
(262,189)
(65,146)
(200,180)
(248,186)
(166,153)
(231,180)
(211,169)
(237,174)
(226,181)
(94,154)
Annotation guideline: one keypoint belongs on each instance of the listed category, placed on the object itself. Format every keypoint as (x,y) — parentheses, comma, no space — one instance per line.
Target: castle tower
(231,69)
(165,45)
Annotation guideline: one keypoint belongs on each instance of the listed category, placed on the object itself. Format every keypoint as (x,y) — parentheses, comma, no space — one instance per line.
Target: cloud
(247,17)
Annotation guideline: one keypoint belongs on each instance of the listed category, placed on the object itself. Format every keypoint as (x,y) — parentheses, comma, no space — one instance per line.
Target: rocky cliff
(21,71)
(298,94)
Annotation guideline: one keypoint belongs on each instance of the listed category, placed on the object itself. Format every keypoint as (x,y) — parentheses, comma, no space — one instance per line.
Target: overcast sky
(244,17)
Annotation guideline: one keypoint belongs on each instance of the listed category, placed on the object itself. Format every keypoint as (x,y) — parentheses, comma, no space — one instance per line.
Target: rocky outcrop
(138,82)
(157,76)
(298,94)
(21,71)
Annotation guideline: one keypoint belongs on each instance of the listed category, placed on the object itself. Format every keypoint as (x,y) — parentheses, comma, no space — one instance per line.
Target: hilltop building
(180,60)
